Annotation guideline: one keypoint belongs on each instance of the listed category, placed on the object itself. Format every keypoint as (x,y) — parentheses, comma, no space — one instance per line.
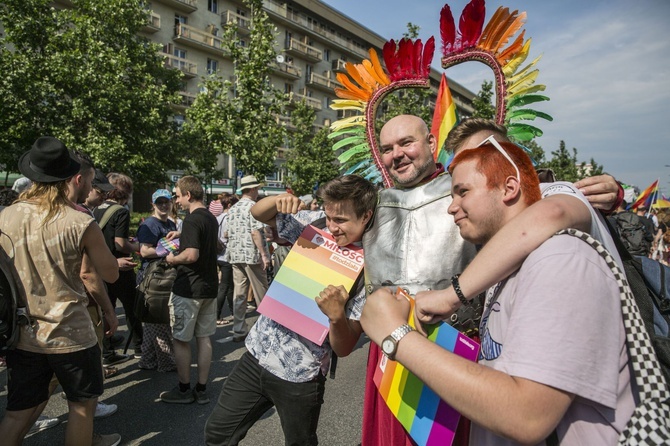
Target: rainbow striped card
(314,262)
(428,420)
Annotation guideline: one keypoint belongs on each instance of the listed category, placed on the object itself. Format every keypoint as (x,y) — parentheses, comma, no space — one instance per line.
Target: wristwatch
(390,342)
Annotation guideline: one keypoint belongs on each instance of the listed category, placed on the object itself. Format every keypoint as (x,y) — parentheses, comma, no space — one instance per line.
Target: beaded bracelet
(457,289)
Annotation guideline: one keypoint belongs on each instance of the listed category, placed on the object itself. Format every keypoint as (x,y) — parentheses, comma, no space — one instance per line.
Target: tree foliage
(482,103)
(567,168)
(82,74)
(311,160)
(250,131)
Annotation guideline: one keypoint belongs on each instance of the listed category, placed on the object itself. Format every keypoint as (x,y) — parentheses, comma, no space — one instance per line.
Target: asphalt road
(142,419)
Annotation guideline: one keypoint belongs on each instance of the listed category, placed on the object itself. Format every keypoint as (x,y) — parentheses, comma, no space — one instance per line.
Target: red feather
(418,53)
(471,23)
(428,51)
(405,58)
(447,30)
(388,52)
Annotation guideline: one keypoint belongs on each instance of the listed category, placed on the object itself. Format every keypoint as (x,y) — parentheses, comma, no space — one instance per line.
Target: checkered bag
(650,422)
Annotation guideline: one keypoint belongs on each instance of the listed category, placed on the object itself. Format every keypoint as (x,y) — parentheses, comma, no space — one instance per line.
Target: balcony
(311,102)
(200,39)
(286,69)
(187,99)
(300,49)
(322,82)
(279,10)
(181,5)
(243,23)
(153,23)
(285,121)
(338,65)
(190,69)
(282,152)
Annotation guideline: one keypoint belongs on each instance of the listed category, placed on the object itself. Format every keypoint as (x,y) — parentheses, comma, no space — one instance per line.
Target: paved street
(143,419)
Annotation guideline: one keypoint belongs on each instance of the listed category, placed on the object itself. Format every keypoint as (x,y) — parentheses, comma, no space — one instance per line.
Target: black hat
(48,161)
(101,182)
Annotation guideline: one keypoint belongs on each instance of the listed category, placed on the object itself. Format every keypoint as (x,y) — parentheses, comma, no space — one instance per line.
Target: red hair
(496,168)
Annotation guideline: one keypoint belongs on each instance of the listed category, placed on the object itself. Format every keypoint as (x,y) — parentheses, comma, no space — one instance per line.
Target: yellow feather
(515,26)
(371,69)
(524,81)
(517,60)
(524,91)
(356,77)
(344,123)
(379,71)
(348,104)
(512,80)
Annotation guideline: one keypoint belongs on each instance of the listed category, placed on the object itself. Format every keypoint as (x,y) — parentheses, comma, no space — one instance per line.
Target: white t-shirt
(557,321)
(598,226)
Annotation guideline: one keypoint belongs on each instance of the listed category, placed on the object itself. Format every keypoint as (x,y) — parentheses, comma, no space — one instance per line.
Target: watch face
(387,346)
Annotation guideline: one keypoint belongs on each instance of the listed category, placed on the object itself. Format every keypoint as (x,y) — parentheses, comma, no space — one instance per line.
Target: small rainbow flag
(444,119)
(647,197)
(428,420)
(164,247)
(314,262)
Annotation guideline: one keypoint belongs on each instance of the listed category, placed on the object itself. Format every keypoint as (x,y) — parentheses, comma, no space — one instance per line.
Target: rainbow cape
(647,197)
(164,247)
(428,420)
(314,262)
(444,119)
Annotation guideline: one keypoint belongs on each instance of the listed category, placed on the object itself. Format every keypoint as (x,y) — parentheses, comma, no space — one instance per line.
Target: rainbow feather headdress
(408,66)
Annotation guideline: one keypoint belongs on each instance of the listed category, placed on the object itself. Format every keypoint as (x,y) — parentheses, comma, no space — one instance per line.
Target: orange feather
(513,27)
(490,27)
(511,50)
(353,72)
(379,71)
(506,20)
(366,76)
(353,89)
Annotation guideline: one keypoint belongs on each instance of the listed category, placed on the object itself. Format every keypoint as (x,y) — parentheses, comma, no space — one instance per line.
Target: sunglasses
(491,140)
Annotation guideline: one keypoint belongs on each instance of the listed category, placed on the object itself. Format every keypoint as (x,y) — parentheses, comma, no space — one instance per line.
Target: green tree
(252,131)
(311,159)
(567,168)
(82,74)
(483,107)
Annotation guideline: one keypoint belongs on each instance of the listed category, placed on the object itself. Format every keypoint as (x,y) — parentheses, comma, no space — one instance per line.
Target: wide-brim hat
(48,161)
(101,182)
(249,182)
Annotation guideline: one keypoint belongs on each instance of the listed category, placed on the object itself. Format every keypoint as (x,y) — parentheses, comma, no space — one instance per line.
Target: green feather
(349,130)
(346,141)
(344,157)
(523,132)
(527,114)
(519,101)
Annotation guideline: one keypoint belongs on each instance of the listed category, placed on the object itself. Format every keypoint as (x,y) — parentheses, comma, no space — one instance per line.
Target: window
(288,88)
(179,120)
(326,55)
(213,6)
(178,52)
(242,43)
(180,19)
(212,66)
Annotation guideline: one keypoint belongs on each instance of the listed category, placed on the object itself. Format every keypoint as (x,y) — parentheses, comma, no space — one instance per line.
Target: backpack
(13,311)
(632,232)
(153,293)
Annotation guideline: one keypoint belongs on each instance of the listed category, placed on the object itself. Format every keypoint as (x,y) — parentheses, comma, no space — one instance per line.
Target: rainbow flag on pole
(444,119)
(428,420)
(647,197)
(314,262)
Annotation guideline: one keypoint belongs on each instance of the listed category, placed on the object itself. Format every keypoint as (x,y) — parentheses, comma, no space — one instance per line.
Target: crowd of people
(473,243)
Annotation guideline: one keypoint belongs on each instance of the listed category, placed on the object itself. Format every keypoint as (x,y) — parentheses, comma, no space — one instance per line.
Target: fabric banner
(314,262)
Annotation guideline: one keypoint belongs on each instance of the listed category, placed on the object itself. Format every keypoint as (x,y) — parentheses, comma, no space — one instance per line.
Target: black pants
(226,288)
(124,290)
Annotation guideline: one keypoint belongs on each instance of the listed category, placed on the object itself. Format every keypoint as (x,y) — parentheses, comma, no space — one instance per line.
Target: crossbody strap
(108,214)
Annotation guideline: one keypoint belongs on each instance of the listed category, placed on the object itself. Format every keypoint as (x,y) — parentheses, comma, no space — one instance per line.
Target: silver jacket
(413,242)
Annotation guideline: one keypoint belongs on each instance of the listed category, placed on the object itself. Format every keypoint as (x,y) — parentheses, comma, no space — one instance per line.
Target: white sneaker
(103,410)
(43,423)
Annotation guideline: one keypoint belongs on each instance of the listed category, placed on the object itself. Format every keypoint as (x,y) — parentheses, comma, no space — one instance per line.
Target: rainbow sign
(428,420)
(314,262)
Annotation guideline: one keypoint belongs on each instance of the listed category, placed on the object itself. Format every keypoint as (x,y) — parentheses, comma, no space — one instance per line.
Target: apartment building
(313,42)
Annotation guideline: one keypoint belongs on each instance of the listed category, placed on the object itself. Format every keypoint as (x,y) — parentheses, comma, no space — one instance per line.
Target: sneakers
(103,410)
(239,337)
(114,358)
(106,440)
(176,396)
(43,423)
(201,397)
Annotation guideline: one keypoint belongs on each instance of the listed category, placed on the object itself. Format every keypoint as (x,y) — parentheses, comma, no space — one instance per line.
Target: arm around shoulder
(267,208)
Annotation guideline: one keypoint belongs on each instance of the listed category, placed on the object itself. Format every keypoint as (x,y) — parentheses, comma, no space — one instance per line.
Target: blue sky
(606,65)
